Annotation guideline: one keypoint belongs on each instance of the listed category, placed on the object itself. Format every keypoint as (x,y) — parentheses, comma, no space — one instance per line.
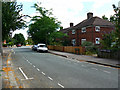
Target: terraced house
(91,29)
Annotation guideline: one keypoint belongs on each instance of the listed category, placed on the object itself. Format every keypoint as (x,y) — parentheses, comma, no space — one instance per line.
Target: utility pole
(1,51)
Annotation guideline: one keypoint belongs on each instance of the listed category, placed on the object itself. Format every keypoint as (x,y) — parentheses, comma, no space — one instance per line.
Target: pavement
(0,72)
(9,79)
(90,59)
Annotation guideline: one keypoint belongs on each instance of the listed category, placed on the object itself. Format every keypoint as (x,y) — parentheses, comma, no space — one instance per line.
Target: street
(45,70)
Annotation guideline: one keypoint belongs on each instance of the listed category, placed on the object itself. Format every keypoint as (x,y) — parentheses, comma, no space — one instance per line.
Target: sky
(67,11)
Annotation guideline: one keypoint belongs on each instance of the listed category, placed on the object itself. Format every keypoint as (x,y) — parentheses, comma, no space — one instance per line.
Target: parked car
(34,47)
(18,45)
(42,47)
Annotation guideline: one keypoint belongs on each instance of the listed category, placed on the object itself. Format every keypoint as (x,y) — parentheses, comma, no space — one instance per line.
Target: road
(45,70)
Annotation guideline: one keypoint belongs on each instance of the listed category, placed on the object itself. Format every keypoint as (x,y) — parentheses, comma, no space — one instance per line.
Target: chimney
(89,15)
(71,24)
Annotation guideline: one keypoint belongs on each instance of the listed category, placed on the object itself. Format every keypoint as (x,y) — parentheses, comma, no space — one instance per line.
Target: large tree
(44,26)
(19,39)
(11,18)
(117,25)
(112,40)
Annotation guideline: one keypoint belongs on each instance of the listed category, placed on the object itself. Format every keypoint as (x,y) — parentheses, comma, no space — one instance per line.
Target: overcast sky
(67,11)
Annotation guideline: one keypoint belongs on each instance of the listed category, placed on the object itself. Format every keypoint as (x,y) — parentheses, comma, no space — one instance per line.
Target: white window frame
(97,28)
(73,42)
(97,40)
(83,30)
(73,31)
(83,40)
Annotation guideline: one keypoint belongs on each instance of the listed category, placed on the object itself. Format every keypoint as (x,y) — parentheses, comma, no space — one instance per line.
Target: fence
(70,49)
(109,54)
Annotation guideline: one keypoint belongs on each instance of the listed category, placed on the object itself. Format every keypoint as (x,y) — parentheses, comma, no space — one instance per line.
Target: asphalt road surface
(45,70)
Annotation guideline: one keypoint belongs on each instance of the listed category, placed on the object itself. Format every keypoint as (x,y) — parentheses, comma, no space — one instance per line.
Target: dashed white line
(50,78)
(106,71)
(33,65)
(94,68)
(43,73)
(30,63)
(83,66)
(60,85)
(38,69)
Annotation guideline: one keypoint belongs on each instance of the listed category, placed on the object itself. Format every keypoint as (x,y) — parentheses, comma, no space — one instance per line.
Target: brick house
(91,29)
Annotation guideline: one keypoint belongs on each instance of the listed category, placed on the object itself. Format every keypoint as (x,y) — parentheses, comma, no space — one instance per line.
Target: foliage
(89,47)
(11,18)
(29,41)
(107,41)
(56,38)
(117,25)
(111,19)
(104,17)
(66,41)
(44,28)
(112,41)
(19,39)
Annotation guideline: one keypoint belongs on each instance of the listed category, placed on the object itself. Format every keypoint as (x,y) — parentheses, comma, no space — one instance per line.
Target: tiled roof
(94,21)
(88,22)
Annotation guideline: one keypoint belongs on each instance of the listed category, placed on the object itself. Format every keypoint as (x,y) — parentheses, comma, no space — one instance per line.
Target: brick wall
(89,35)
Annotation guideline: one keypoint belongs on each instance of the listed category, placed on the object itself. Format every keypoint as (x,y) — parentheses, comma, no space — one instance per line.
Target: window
(97,40)
(83,29)
(97,28)
(83,40)
(73,31)
(73,42)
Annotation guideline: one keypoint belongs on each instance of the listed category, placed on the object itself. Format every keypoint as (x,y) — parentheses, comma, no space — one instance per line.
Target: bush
(90,48)
(5,45)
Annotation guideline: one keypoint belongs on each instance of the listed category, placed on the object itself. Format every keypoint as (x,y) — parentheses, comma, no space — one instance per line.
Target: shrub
(90,48)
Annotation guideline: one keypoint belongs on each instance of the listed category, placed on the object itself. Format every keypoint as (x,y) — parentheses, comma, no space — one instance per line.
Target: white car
(42,47)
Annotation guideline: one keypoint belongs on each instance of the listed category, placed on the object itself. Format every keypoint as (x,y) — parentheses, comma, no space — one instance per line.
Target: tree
(104,17)
(112,40)
(29,41)
(108,40)
(19,39)
(11,18)
(117,25)
(44,27)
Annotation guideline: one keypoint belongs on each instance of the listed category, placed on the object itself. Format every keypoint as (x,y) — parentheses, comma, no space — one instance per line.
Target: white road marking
(38,69)
(30,63)
(60,85)
(27,79)
(83,66)
(50,78)
(43,73)
(94,68)
(106,71)
(33,65)
(24,74)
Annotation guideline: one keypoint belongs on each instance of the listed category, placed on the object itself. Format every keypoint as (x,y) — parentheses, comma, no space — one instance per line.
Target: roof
(66,29)
(88,22)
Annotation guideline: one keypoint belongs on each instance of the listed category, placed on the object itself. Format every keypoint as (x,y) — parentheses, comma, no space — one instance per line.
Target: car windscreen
(42,45)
